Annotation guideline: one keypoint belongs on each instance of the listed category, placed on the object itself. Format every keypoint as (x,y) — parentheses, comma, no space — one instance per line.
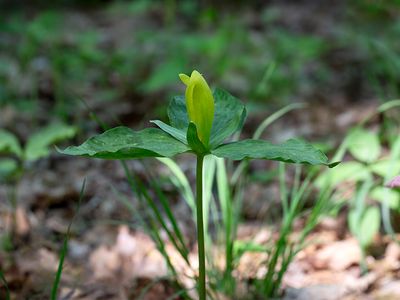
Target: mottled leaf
(177,113)
(179,134)
(124,143)
(229,116)
(292,151)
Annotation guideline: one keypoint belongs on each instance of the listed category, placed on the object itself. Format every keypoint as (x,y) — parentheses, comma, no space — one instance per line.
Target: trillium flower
(199,104)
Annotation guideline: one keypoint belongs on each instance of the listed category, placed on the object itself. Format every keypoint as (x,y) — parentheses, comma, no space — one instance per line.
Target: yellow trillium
(199,104)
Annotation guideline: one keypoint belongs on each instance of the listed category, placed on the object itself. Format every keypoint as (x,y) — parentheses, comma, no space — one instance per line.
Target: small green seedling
(15,160)
(363,219)
(368,168)
(38,146)
(200,122)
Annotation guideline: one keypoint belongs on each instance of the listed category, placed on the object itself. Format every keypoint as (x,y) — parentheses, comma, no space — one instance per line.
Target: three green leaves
(189,131)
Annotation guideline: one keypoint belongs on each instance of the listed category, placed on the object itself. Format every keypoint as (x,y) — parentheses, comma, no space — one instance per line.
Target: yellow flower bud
(199,104)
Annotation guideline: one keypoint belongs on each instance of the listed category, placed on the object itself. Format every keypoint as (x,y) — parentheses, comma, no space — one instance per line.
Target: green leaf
(386,195)
(364,145)
(386,167)
(194,140)
(39,144)
(346,171)
(181,182)
(353,221)
(177,113)
(8,167)
(124,143)
(229,116)
(242,247)
(9,143)
(292,151)
(161,77)
(368,226)
(176,133)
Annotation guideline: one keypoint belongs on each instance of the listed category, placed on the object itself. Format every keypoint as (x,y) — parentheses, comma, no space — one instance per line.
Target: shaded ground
(107,260)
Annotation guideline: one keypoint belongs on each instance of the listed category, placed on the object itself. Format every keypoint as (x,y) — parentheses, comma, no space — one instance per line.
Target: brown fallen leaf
(126,243)
(392,256)
(134,255)
(338,255)
(21,222)
(104,262)
(388,291)
(316,292)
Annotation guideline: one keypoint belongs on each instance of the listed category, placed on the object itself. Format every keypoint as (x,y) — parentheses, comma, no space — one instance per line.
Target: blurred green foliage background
(129,52)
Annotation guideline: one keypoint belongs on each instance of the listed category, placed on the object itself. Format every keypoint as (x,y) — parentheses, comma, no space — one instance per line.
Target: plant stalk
(200,228)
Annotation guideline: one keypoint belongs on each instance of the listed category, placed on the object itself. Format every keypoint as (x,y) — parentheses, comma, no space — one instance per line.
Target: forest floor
(109,257)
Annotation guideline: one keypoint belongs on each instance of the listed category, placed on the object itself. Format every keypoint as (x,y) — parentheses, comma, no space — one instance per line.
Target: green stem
(200,228)
(363,261)
(12,196)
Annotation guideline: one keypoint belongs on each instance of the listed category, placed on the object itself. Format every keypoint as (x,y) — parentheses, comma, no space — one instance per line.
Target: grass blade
(181,182)
(64,248)
(209,170)
(225,198)
(4,281)
(275,116)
